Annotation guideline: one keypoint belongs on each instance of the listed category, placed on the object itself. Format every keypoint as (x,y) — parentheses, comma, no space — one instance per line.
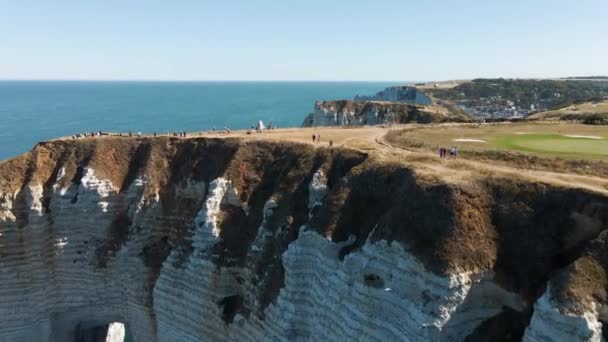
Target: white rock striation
(52,286)
(551,322)
(404,94)
(349,113)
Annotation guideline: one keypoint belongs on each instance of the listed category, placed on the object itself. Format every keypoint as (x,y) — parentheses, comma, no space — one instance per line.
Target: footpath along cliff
(228,239)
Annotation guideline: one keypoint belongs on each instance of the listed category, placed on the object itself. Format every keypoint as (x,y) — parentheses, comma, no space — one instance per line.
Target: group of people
(130,134)
(181,134)
(259,128)
(443,152)
(87,134)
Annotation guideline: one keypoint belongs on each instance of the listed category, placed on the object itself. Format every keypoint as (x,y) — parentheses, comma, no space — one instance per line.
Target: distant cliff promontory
(402,94)
(393,105)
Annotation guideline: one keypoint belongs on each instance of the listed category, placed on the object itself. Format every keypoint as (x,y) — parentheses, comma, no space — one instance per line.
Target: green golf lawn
(553,144)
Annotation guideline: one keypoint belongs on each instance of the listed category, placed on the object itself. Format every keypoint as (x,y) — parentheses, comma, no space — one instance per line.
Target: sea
(33,111)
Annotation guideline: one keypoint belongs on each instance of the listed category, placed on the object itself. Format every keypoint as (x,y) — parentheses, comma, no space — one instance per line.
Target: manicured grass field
(564,140)
(552,144)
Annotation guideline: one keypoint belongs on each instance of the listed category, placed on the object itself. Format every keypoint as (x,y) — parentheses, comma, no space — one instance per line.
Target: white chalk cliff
(404,94)
(220,241)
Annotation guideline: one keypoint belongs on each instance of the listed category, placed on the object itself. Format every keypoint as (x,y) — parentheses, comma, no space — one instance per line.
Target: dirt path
(370,139)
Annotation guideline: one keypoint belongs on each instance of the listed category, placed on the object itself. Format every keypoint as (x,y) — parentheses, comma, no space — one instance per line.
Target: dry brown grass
(577,110)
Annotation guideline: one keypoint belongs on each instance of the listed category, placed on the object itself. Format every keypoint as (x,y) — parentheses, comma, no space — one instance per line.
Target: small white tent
(261,125)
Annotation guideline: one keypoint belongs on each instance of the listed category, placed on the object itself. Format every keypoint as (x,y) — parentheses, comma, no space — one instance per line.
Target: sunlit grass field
(564,140)
(554,144)
(548,146)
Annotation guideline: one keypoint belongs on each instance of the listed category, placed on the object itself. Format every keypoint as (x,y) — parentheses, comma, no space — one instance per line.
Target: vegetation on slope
(592,112)
(524,93)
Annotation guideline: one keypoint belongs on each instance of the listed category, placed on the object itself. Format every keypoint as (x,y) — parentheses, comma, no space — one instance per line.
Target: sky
(325,40)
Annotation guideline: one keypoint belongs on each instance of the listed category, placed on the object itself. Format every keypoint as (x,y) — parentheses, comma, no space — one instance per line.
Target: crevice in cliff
(540,231)
(80,170)
(153,255)
(258,177)
(136,165)
(193,160)
(21,207)
(373,280)
(282,173)
(91,334)
(509,325)
(116,236)
(391,200)
(231,306)
(48,187)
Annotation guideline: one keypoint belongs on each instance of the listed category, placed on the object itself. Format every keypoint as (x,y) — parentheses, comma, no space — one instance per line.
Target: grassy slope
(525,92)
(553,144)
(575,112)
(542,146)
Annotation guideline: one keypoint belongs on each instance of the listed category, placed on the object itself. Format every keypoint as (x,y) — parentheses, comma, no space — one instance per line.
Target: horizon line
(188,80)
(286,80)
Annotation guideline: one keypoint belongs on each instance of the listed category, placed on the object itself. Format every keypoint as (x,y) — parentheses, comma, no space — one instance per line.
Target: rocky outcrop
(222,239)
(402,94)
(349,113)
(393,105)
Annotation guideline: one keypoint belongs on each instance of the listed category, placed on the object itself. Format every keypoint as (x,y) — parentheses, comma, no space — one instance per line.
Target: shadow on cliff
(282,173)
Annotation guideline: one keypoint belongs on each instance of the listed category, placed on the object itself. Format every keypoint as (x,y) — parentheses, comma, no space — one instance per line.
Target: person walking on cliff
(318,138)
(313,138)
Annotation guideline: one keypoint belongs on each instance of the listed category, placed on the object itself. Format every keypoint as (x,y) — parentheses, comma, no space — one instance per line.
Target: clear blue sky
(301,40)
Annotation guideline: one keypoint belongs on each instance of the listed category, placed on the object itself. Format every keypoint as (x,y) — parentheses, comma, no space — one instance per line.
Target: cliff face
(403,94)
(220,239)
(347,112)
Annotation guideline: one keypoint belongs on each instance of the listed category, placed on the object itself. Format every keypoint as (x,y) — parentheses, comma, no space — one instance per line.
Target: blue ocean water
(32,111)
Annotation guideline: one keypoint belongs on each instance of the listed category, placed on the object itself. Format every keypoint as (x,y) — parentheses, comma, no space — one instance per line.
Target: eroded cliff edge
(225,239)
(393,105)
(354,113)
